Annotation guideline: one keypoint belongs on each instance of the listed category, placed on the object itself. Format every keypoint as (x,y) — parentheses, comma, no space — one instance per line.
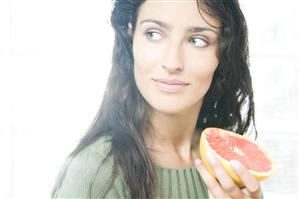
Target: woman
(178,67)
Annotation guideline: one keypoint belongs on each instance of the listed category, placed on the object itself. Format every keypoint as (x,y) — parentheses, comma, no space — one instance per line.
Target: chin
(169,108)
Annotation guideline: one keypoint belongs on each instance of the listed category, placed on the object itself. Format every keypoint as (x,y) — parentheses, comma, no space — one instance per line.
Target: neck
(173,134)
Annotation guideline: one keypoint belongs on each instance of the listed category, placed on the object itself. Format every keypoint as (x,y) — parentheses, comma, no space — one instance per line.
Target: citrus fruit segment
(227,146)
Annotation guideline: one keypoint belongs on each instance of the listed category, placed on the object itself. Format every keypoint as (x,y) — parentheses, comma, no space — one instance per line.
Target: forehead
(178,12)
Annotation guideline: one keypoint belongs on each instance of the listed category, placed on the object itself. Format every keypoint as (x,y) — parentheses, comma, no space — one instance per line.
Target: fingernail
(197,162)
(235,164)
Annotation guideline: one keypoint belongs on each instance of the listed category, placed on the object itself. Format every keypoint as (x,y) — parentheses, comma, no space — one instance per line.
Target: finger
(252,185)
(224,179)
(211,196)
(210,181)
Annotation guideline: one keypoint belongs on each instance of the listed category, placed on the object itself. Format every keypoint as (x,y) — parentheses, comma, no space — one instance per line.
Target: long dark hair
(123,112)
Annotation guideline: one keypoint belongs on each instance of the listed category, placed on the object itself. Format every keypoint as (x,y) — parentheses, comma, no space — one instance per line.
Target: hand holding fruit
(225,187)
(232,165)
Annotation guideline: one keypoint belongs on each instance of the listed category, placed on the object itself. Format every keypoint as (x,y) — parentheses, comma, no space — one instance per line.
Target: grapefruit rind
(204,147)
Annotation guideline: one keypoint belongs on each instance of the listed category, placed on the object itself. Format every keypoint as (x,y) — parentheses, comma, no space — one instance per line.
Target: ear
(130,29)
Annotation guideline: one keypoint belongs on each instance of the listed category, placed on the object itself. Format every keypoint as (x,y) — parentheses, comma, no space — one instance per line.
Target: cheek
(203,69)
(145,54)
(146,59)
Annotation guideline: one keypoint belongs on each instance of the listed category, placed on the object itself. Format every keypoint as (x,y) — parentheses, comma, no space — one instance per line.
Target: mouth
(170,85)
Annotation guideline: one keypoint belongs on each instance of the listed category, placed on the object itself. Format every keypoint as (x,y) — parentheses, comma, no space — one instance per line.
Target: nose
(172,59)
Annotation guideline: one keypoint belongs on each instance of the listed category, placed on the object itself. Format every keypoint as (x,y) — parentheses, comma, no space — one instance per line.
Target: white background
(55,56)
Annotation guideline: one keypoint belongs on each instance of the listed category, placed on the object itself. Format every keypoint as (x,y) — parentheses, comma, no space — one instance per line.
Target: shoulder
(99,148)
(81,171)
(91,156)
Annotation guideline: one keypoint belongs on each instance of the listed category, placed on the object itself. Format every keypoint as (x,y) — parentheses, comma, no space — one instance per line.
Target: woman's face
(175,55)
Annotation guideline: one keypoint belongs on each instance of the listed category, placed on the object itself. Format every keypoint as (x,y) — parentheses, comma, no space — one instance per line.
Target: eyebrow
(194,29)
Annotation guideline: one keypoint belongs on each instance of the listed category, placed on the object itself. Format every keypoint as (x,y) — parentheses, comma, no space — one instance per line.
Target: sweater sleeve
(88,176)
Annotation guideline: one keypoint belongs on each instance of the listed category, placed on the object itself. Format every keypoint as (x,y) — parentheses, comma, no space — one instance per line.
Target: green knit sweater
(85,179)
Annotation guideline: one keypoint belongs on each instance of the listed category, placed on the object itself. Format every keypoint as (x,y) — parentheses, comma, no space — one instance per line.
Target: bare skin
(168,146)
(225,187)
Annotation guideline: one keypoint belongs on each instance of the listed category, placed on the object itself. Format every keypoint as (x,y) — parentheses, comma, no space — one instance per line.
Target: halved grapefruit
(227,146)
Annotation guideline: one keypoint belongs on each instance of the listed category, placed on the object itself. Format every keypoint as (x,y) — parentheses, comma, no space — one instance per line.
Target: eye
(199,42)
(153,35)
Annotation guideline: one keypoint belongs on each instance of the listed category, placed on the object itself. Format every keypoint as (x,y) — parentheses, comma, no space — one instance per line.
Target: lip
(170,85)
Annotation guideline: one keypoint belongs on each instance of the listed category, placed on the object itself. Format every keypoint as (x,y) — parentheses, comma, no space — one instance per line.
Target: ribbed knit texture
(85,179)
(180,183)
